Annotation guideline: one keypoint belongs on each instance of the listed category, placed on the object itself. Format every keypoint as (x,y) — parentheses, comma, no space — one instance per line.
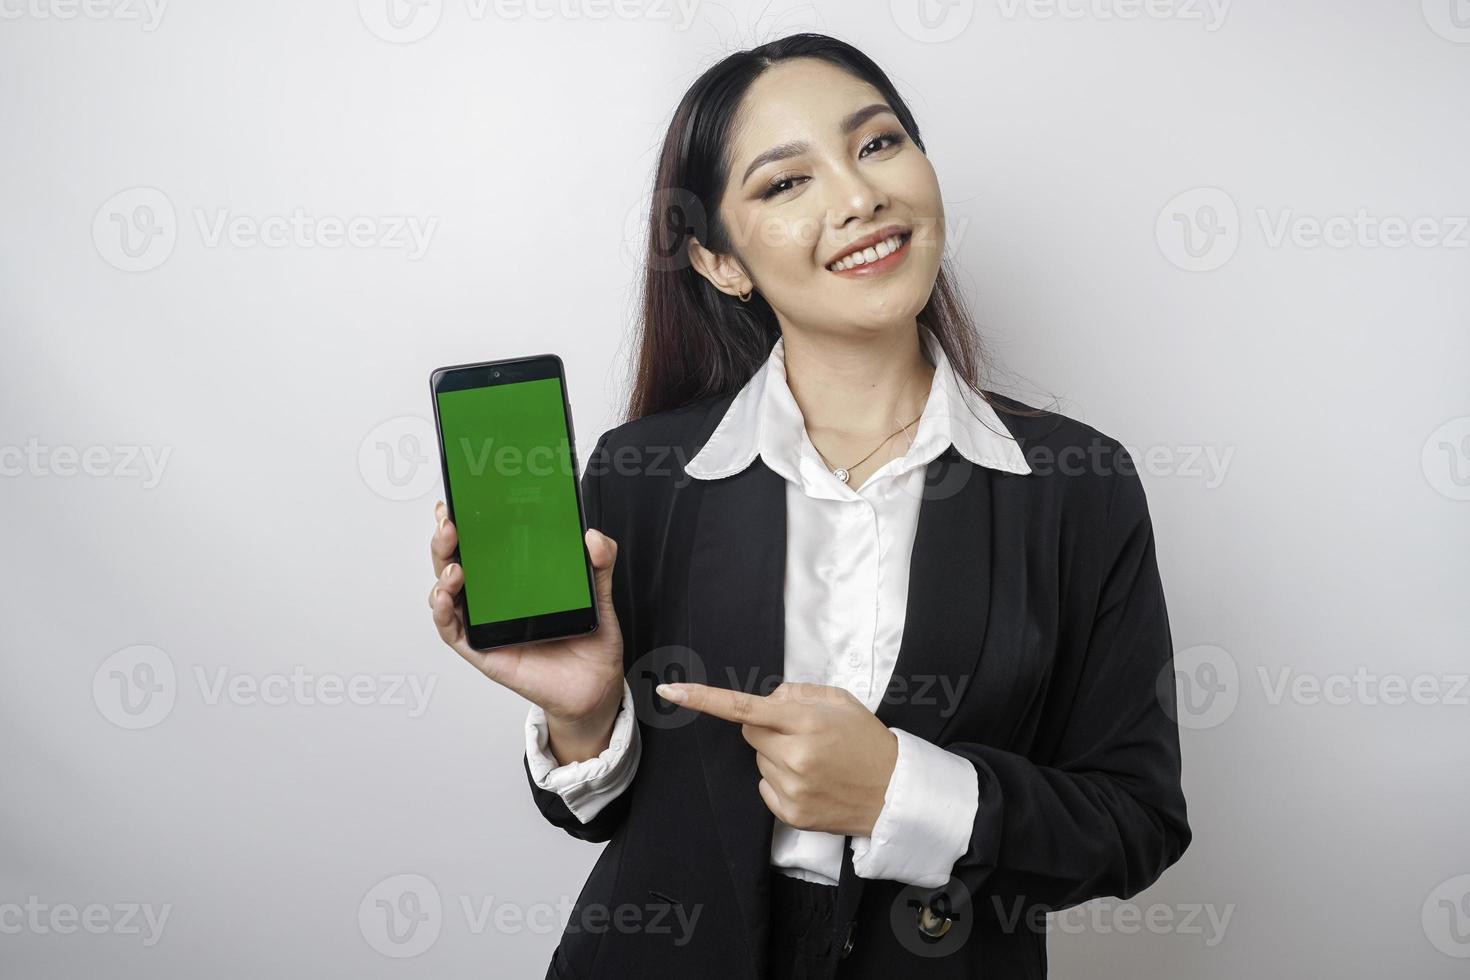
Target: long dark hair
(694,341)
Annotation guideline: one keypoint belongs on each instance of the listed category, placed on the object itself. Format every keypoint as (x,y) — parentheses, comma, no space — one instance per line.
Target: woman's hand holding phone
(577,681)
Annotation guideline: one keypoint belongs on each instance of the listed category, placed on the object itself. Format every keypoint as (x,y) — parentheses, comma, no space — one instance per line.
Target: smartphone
(507,450)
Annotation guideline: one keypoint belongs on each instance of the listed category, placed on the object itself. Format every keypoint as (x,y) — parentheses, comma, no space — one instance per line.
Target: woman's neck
(855,391)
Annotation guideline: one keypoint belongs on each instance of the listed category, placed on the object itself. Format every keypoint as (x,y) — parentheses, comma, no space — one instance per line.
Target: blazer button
(847,943)
(933,924)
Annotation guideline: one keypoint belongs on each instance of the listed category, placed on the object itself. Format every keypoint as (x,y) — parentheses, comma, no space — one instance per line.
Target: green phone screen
(508,454)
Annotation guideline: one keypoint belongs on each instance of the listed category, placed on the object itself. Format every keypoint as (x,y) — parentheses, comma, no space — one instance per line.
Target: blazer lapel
(737,634)
(948,599)
(944,625)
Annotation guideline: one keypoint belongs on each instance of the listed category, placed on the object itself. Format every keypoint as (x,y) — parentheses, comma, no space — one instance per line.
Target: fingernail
(441,522)
(672,693)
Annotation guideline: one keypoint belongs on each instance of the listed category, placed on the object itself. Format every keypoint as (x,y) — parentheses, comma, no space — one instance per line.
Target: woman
(927,681)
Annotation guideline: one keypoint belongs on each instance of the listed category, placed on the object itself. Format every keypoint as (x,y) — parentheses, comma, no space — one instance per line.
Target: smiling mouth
(871,254)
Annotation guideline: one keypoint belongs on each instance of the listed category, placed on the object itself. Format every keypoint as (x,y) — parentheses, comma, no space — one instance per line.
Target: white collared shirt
(848,552)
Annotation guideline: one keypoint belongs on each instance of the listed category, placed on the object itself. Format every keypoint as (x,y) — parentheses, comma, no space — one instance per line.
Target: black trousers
(803,943)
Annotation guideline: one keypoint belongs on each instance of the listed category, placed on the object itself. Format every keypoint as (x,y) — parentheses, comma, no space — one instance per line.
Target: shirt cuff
(927,818)
(590,784)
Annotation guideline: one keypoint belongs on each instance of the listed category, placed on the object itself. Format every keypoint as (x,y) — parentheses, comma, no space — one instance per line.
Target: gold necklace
(842,473)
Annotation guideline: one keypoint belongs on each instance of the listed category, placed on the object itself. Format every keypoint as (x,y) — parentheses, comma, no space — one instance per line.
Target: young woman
(928,686)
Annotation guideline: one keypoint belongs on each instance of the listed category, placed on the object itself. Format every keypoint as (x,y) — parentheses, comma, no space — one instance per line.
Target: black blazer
(1039,593)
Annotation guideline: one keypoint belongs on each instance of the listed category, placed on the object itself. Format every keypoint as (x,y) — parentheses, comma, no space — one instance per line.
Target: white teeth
(870,254)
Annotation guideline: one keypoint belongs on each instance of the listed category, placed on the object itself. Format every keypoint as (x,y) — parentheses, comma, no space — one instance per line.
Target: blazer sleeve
(1108,815)
(605,823)
(590,784)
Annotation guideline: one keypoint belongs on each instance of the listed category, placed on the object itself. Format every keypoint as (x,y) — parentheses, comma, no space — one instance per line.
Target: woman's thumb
(604,553)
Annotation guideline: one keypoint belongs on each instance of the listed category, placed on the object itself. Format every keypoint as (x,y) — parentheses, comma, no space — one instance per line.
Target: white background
(288,526)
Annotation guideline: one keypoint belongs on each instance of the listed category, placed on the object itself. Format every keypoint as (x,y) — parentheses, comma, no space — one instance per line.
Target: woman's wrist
(579,739)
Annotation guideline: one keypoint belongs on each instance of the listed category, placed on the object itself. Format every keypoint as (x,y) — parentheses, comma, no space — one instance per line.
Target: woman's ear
(723,271)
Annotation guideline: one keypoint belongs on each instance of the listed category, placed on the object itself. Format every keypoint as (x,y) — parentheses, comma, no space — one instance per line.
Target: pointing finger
(736,706)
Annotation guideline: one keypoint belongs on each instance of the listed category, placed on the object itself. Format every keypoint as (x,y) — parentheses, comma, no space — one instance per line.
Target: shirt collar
(765,419)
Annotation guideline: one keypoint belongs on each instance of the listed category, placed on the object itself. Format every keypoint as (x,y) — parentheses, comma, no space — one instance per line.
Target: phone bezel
(529,629)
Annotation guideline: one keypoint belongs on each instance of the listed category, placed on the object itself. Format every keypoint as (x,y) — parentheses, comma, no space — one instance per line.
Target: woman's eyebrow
(783,151)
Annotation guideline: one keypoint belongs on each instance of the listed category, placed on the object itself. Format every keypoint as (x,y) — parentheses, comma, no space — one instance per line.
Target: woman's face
(819,162)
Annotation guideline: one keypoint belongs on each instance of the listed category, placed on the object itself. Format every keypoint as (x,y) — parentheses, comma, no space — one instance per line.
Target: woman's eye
(777,186)
(893,138)
(783,184)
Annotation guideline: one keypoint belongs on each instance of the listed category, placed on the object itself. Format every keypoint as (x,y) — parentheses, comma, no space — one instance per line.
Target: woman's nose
(853,194)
